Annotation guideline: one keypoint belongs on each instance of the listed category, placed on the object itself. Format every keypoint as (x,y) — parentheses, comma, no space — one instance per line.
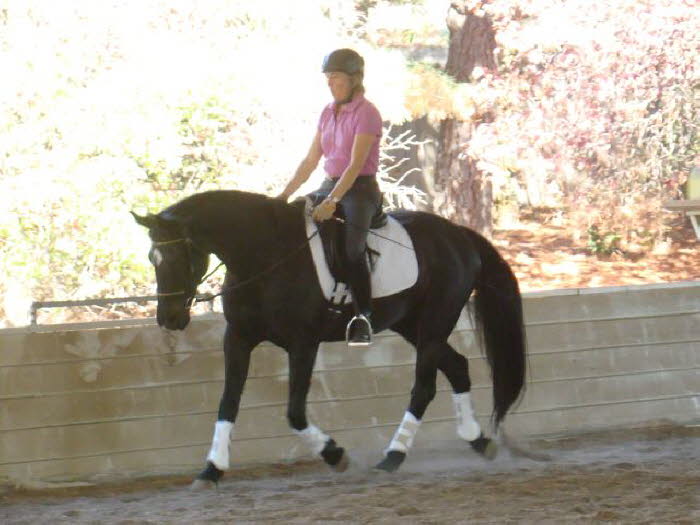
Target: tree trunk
(465,193)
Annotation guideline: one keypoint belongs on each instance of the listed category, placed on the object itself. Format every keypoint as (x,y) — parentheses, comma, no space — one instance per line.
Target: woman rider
(348,135)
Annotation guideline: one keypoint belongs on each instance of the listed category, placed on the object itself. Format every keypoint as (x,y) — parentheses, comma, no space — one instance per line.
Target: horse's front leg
(237,350)
(301,365)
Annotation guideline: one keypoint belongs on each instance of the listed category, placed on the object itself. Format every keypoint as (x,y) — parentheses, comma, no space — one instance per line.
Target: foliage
(591,112)
(602,244)
(131,106)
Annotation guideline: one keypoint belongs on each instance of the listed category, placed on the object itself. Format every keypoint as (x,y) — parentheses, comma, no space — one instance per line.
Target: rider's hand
(324,211)
(282,197)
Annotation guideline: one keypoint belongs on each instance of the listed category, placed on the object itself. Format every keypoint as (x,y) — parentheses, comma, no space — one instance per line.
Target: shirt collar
(352,105)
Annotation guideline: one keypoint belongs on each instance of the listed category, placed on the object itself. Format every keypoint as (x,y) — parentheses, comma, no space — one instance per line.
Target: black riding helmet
(345,61)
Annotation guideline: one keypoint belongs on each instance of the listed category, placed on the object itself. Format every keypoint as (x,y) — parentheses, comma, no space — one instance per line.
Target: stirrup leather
(360,318)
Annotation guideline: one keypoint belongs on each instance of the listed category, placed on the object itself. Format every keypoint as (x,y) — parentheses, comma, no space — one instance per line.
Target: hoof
(208,478)
(391,462)
(485,446)
(342,465)
(201,485)
(335,456)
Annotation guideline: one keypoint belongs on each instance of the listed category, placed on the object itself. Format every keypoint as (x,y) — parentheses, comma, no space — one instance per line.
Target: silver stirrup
(358,318)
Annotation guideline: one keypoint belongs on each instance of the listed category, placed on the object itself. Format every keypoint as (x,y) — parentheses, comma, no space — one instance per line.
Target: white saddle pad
(396,267)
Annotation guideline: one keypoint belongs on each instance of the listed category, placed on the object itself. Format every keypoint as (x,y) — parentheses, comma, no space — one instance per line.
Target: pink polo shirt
(338,133)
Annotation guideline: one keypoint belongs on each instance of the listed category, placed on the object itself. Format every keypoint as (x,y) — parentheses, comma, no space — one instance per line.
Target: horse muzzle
(173,316)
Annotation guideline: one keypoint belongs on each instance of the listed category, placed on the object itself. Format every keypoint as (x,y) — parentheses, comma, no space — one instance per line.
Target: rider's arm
(361,145)
(306,167)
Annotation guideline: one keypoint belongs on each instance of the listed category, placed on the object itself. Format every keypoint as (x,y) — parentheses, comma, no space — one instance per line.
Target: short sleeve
(369,121)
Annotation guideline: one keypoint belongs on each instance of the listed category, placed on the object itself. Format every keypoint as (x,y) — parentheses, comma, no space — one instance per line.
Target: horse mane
(216,206)
(238,214)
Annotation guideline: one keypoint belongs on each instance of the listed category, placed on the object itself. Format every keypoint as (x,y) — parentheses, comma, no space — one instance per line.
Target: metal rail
(37,305)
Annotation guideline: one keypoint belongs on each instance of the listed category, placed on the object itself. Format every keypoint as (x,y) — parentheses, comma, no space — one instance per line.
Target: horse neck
(248,240)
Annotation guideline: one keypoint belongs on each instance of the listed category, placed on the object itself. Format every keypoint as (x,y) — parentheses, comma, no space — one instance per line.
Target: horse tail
(499,321)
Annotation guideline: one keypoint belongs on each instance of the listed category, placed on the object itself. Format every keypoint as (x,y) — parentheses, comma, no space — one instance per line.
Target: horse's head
(179,266)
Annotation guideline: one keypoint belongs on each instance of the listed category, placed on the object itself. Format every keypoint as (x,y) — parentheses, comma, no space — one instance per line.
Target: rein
(210,297)
(371,232)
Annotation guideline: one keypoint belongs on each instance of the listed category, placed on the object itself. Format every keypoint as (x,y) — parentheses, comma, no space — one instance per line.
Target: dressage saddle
(332,236)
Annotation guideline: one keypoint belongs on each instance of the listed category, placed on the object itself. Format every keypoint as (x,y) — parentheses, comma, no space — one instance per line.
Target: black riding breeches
(357,207)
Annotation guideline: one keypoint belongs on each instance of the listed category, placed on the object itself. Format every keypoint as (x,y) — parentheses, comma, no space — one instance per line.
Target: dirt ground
(626,476)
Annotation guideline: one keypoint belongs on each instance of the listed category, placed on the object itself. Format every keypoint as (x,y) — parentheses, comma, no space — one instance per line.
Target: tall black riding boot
(359,329)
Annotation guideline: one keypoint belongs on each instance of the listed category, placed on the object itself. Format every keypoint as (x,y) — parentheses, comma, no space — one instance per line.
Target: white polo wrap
(220,444)
(467,427)
(403,439)
(314,439)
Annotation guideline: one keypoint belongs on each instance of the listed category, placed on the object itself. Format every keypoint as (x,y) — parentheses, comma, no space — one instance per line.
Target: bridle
(208,296)
(190,296)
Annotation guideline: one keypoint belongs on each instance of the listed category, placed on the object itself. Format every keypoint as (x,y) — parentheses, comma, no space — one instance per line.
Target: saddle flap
(332,237)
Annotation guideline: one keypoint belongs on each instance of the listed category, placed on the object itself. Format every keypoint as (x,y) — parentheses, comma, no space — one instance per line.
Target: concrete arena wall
(91,401)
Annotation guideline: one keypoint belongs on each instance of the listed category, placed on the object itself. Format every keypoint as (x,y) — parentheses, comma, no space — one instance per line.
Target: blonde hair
(358,86)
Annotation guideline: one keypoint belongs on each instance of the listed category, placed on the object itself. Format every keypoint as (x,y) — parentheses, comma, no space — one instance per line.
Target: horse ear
(149,221)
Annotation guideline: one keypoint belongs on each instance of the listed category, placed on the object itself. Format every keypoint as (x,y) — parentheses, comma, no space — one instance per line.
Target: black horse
(271,293)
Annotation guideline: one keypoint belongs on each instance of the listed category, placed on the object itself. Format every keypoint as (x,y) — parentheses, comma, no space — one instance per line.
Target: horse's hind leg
(455,367)
(422,394)
(301,364)
(429,336)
